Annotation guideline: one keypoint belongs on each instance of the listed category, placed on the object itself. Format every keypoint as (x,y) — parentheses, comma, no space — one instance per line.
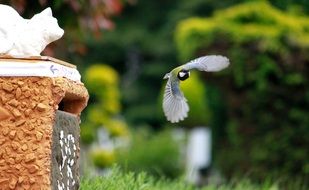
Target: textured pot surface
(30,130)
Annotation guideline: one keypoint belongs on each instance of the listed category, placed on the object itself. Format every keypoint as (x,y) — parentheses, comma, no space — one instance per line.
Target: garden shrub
(102,82)
(265,88)
(103,158)
(155,153)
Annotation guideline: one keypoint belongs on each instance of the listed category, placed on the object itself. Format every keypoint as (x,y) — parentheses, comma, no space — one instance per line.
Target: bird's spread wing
(209,63)
(174,103)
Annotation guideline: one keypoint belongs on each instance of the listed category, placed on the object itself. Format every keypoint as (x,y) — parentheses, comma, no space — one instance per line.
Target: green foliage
(266,92)
(157,154)
(102,83)
(256,21)
(130,180)
(195,92)
(119,179)
(103,158)
(117,127)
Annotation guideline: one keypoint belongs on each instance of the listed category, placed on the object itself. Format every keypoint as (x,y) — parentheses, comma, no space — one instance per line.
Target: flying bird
(175,105)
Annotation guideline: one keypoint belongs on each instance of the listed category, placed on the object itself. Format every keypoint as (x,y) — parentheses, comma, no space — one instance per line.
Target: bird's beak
(167,76)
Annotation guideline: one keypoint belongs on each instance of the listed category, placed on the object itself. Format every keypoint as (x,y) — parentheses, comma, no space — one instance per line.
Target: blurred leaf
(103,158)
(157,154)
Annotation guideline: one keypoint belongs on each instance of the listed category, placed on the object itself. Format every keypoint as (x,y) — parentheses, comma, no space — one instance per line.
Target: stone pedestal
(39,129)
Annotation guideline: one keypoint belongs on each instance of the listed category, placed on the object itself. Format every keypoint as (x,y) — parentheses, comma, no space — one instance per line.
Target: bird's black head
(183,74)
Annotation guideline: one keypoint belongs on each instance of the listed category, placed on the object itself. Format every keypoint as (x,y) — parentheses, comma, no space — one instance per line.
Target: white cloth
(38,68)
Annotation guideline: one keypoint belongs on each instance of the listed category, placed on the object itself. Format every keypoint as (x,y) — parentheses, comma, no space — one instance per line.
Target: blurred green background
(258,108)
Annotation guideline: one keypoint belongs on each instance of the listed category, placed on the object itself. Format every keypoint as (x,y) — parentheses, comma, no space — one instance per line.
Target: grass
(119,180)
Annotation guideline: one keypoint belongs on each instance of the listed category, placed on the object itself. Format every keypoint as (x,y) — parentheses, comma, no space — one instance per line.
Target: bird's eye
(183,75)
